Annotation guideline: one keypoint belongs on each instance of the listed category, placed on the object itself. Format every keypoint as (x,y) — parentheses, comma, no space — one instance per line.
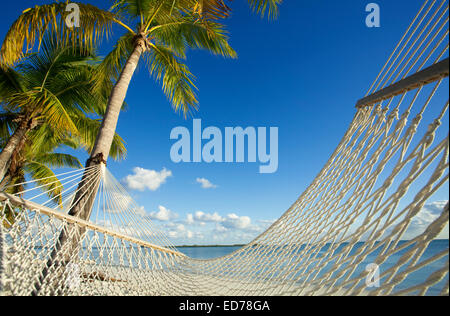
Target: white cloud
(429,213)
(206,184)
(180,233)
(234,221)
(204,228)
(140,211)
(220,229)
(231,221)
(207,218)
(164,214)
(190,219)
(180,227)
(143,179)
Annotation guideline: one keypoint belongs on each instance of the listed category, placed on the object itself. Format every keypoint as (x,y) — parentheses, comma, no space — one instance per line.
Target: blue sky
(302,73)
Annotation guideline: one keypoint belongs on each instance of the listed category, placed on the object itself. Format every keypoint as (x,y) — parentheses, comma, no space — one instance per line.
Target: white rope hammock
(391,161)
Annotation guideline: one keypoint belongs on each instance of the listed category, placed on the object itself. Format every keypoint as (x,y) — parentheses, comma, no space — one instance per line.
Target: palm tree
(162,31)
(49,100)
(36,160)
(67,76)
(33,24)
(36,164)
(159,31)
(37,154)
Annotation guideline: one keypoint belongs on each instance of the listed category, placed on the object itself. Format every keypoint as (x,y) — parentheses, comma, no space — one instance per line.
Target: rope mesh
(352,223)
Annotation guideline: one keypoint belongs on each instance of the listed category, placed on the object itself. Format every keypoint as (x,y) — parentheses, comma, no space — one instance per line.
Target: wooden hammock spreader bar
(74,220)
(421,78)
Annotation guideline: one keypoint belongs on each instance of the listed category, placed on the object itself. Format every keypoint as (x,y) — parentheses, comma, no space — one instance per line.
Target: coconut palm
(158,31)
(49,99)
(67,76)
(36,154)
(37,163)
(31,26)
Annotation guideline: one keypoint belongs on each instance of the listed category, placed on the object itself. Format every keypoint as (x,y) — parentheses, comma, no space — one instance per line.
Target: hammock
(347,234)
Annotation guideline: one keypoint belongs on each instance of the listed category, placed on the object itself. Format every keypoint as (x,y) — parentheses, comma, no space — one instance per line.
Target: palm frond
(53,57)
(58,160)
(188,32)
(8,124)
(45,138)
(29,29)
(15,183)
(10,82)
(149,9)
(111,66)
(46,178)
(219,9)
(177,81)
(263,7)
(212,9)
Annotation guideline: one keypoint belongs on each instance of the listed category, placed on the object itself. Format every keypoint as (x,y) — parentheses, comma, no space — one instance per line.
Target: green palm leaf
(30,28)
(187,32)
(46,178)
(58,160)
(111,66)
(177,81)
(263,7)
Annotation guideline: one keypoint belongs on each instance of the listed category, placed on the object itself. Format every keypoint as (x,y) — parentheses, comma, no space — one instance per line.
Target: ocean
(417,277)
(436,247)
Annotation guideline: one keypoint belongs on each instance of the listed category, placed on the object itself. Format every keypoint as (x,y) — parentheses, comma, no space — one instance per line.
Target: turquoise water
(416,277)
(208,252)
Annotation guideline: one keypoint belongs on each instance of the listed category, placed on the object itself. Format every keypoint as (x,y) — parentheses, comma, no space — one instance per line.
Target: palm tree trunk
(4,181)
(16,138)
(69,240)
(107,130)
